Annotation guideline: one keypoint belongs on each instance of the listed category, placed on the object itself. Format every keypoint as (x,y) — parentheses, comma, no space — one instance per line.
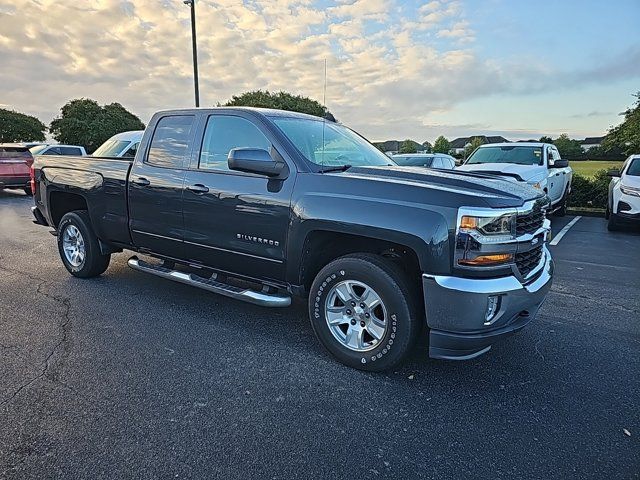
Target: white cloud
(382,79)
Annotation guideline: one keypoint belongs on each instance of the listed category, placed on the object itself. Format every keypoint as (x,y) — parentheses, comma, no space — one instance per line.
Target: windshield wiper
(338,168)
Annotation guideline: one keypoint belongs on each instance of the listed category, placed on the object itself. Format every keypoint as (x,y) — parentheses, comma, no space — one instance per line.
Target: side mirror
(255,160)
(559,164)
(614,172)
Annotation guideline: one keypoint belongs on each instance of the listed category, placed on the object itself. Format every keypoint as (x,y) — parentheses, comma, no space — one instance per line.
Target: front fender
(417,226)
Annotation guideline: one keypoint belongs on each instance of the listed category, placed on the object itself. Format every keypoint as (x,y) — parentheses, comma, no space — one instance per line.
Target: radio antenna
(324,91)
(324,105)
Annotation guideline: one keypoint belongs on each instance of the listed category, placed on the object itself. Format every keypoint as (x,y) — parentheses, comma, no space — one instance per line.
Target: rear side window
(52,151)
(70,151)
(170,142)
(224,133)
(413,161)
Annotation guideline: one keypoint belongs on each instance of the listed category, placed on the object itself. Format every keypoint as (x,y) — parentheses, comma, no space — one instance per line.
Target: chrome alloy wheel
(73,245)
(356,315)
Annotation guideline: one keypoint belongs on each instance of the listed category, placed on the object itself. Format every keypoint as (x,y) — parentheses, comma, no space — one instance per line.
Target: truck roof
(268,112)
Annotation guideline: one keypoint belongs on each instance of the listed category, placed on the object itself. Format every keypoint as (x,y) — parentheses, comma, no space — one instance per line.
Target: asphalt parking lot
(131,376)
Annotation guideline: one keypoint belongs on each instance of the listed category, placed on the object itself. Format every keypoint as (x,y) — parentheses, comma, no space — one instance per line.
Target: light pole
(192,5)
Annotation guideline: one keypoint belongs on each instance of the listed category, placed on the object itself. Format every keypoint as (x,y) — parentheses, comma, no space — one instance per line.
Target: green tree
(84,122)
(280,100)
(626,136)
(427,147)
(470,148)
(546,139)
(408,146)
(18,127)
(441,145)
(567,147)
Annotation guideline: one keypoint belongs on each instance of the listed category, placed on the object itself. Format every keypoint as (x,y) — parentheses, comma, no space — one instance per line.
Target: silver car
(431,160)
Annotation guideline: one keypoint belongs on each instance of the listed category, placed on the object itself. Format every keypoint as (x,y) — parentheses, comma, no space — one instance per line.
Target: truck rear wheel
(364,312)
(78,246)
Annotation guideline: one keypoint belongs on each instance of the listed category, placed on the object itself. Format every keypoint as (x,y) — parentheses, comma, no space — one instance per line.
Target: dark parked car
(15,162)
(260,205)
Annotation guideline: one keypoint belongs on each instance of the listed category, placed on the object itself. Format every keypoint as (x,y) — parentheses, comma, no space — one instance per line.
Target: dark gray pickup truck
(261,205)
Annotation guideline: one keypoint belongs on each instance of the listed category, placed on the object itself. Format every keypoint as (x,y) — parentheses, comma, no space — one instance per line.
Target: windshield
(330,144)
(520,155)
(36,150)
(111,148)
(634,168)
(415,161)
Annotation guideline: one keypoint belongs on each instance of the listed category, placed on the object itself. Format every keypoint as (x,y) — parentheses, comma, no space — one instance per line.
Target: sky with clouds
(396,68)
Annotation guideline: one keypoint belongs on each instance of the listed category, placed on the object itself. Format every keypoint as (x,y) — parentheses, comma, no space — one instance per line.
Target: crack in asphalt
(565,293)
(64,326)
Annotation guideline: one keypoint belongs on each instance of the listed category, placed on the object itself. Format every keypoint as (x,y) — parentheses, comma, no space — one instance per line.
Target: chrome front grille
(531,221)
(527,261)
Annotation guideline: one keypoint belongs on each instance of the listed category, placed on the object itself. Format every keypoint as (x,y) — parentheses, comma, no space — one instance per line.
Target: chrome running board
(246,295)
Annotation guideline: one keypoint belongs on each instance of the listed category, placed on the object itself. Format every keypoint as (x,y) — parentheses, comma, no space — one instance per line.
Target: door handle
(198,188)
(143,182)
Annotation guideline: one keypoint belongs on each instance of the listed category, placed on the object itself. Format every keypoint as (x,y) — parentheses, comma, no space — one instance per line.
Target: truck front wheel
(364,312)
(78,246)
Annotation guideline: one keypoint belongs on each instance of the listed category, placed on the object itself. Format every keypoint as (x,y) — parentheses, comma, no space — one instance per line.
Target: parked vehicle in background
(56,149)
(431,160)
(538,164)
(261,205)
(623,205)
(15,163)
(123,144)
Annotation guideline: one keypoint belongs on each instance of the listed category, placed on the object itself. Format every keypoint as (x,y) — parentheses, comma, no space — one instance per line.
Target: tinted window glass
(413,161)
(224,133)
(70,151)
(131,152)
(520,155)
(170,142)
(53,151)
(634,168)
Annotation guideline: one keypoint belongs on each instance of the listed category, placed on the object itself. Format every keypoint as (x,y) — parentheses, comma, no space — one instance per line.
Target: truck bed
(102,181)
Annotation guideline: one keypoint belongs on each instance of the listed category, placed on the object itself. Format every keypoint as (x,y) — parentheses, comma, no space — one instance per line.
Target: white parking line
(563,232)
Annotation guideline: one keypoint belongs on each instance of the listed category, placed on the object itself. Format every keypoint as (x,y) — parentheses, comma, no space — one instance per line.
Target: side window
(437,162)
(170,142)
(131,151)
(226,132)
(553,154)
(70,151)
(53,151)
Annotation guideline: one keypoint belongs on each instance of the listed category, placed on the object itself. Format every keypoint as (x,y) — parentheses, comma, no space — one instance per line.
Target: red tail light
(32,174)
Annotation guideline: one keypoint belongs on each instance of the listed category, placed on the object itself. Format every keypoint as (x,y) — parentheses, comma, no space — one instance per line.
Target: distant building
(459,144)
(590,142)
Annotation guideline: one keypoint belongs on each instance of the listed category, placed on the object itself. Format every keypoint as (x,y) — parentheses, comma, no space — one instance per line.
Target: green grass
(588,168)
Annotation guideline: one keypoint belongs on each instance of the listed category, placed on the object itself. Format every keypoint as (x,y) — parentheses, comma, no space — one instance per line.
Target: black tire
(400,300)
(612,223)
(562,209)
(28,191)
(94,262)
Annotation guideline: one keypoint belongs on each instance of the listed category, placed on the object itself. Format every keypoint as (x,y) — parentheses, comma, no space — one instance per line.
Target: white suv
(624,194)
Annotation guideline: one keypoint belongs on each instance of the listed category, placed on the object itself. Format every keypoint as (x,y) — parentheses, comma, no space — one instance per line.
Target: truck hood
(489,190)
(522,173)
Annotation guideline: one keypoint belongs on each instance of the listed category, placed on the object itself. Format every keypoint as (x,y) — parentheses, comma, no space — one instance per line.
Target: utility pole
(192,5)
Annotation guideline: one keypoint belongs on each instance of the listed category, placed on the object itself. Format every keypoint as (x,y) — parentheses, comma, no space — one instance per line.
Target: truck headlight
(489,229)
(630,190)
(484,238)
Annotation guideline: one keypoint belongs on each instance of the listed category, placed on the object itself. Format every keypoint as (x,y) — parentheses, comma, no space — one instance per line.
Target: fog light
(493,305)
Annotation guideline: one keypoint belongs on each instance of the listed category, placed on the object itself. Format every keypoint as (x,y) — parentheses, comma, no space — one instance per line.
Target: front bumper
(456,310)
